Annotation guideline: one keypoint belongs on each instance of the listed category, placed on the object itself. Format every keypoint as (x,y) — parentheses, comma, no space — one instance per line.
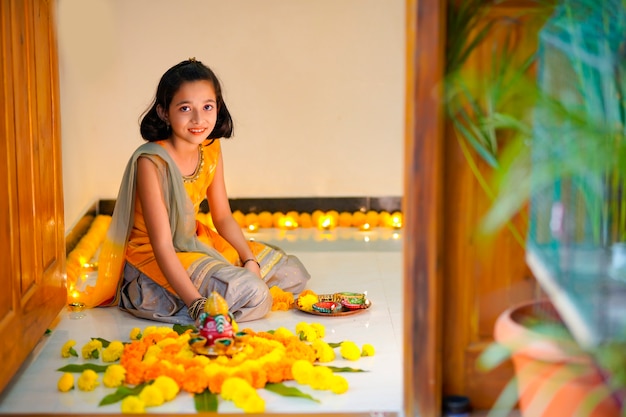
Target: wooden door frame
(423,203)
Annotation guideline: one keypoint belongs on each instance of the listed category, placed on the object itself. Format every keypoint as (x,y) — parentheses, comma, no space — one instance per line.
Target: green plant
(549,123)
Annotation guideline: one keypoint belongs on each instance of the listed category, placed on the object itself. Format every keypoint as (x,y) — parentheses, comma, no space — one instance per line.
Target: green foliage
(121,393)
(206,401)
(78,368)
(286,391)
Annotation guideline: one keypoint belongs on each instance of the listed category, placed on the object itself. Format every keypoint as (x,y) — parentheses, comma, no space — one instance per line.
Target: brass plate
(340,311)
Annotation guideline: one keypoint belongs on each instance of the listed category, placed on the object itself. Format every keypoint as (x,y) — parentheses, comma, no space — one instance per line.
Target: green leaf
(73,352)
(105,343)
(493,356)
(334,344)
(76,368)
(285,391)
(345,369)
(205,401)
(121,393)
(48,331)
(181,328)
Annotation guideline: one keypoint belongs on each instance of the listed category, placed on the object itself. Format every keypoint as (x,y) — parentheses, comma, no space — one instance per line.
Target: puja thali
(337,304)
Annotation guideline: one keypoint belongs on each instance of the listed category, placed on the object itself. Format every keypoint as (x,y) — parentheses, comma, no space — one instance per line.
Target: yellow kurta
(139,251)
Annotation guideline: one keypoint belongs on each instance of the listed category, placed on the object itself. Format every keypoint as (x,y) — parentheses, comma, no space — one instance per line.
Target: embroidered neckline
(198,170)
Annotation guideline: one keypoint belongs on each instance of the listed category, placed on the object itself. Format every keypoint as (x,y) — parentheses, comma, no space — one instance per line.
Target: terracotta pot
(555,377)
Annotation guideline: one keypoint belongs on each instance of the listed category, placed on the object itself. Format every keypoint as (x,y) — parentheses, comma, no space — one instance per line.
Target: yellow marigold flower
(321,378)
(255,404)
(135,333)
(283,333)
(114,376)
(306,332)
(323,352)
(319,329)
(113,352)
(302,371)
(306,301)
(66,382)
(133,405)
(92,349)
(88,380)
(349,350)
(151,396)
(339,384)
(169,388)
(68,349)
(367,350)
(232,386)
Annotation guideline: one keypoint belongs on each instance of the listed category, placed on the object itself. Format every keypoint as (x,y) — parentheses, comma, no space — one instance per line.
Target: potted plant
(561,151)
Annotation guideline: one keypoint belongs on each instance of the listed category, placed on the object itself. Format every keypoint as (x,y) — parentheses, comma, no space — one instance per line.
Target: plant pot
(555,377)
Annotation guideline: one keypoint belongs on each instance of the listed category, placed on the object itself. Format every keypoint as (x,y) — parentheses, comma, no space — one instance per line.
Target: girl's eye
(208,107)
(184,108)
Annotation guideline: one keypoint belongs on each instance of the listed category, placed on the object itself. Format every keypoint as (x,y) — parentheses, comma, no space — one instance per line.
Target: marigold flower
(151,396)
(306,301)
(68,349)
(339,384)
(254,404)
(114,376)
(113,352)
(367,350)
(135,333)
(168,386)
(323,352)
(319,329)
(281,300)
(196,380)
(92,349)
(302,371)
(283,333)
(231,386)
(132,404)
(306,332)
(66,382)
(88,380)
(349,350)
(321,378)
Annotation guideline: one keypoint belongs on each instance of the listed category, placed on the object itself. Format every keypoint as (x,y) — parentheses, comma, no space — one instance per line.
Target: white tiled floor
(341,260)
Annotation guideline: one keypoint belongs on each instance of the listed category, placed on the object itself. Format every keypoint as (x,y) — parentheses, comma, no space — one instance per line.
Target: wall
(316,89)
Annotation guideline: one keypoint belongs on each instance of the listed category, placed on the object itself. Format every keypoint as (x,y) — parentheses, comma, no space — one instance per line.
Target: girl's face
(193,111)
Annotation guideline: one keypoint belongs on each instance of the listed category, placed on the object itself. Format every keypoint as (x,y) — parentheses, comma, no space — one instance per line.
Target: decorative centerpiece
(216,329)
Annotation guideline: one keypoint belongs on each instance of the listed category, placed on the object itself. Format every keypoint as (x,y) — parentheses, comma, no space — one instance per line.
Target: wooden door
(32,226)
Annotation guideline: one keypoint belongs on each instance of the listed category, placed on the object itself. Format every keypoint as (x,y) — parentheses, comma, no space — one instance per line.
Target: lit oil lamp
(326,222)
(287,223)
(253,227)
(396,220)
(365,227)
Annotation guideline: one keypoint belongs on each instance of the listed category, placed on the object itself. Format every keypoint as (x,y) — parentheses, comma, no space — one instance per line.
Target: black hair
(152,128)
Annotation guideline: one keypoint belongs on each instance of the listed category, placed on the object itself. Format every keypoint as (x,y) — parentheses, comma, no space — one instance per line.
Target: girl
(166,262)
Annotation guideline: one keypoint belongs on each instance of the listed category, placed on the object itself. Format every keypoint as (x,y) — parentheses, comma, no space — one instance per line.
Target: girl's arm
(223,218)
(156,217)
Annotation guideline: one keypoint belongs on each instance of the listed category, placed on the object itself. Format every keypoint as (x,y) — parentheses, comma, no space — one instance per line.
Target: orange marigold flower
(216,381)
(195,380)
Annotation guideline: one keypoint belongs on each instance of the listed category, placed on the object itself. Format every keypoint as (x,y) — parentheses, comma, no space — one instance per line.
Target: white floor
(340,260)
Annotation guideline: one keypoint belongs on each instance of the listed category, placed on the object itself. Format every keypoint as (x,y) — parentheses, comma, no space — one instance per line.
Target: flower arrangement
(158,363)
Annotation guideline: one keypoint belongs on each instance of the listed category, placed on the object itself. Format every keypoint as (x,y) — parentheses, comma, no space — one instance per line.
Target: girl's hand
(252,265)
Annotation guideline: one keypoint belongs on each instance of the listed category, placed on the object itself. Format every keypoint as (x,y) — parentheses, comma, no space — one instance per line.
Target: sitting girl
(158,262)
